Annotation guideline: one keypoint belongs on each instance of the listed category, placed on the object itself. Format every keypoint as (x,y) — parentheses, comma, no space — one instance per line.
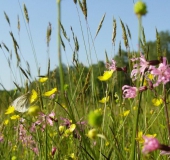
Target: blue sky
(41,12)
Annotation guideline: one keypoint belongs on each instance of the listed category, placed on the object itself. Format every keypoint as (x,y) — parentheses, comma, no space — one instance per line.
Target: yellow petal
(43,79)
(15,117)
(72,127)
(104,100)
(157,102)
(49,93)
(34,96)
(125,113)
(10,110)
(106,75)
(6,122)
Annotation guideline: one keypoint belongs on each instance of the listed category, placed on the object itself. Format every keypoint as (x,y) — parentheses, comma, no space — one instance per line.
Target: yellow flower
(10,110)
(107,143)
(6,122)
(92,134)
(125,113)
(14,158)
(33,96)
(134,108)
(157,102)
(33,110)
(151,76)
(72,156)
(61,129)
(106,75)
(140,138)
(126,149)
(15,117)
(72,127)
(104,100)
(151,111)
(43,79)
(51,92)
(14,148)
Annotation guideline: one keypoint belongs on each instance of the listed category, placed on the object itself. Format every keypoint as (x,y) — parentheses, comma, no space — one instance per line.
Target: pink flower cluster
(27,140)
(151,144)
(161,75)
(43,120)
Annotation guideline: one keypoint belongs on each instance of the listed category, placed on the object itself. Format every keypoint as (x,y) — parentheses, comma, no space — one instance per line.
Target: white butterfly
(21,104)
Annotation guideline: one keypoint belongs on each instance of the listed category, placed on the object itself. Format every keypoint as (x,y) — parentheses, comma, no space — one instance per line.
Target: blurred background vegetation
(78,69)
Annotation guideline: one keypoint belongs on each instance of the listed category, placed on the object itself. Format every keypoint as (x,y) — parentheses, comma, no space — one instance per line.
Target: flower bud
(95,118)
(61,129)
(140,8)
(92,134)
(33,110)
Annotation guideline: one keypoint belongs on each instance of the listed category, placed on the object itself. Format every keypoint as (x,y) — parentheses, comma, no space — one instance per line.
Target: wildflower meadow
(117,109)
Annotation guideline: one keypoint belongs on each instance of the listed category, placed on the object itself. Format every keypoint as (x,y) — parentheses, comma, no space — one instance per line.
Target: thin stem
(166,112)
(59,47)
(139,32)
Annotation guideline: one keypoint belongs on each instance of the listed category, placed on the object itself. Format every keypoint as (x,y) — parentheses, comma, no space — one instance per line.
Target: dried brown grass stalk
(62,43)
(128,30)
(26,13)
(158,44)
(16,47)
(49,30)
(24,73)
(107,59)
(7,18)
(48,71)
(100,25)
(28,69)
(120,49)
(84,8)
(5,46)
(124,35)
(114,31)
(64,32)
(18,25)
(17,86)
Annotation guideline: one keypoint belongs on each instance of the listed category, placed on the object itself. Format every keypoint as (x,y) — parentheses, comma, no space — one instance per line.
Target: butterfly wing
(21,104)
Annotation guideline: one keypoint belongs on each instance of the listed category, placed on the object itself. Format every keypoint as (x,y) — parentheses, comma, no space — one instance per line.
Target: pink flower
(53,151)
(139,67)
(35,150)
(1,138)
(129,92)
(50,118)
(150,144)
(162,72)
(111,66)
